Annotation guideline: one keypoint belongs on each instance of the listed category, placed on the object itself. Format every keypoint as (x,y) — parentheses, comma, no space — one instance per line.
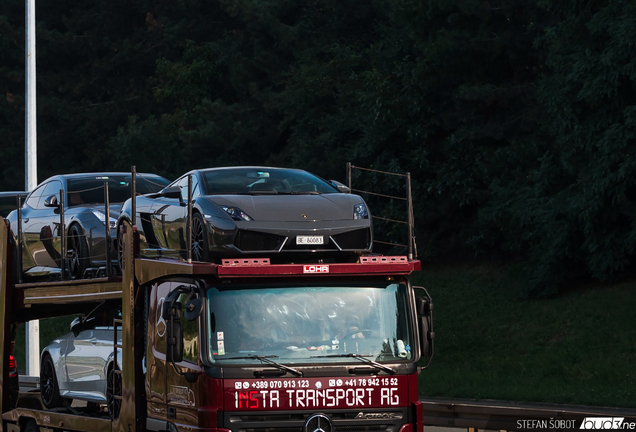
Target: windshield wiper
(362,359)
(263,192)
(275,192)
(266,359)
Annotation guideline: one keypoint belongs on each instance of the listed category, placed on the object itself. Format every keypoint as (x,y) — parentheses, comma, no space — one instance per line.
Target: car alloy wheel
(77,251)
(49,390)
(200,249)
(113,389)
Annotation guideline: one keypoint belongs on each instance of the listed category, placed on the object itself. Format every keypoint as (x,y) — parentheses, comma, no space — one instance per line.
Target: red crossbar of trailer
(261,267)
(368,266)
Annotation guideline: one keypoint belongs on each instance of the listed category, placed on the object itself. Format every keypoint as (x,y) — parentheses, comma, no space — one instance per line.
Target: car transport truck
(237,345)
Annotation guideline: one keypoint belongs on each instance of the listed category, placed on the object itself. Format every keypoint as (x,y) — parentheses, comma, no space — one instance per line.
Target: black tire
(120,250)
(17,263)
(78,251)
(49,388)
(200,246)
(113,388)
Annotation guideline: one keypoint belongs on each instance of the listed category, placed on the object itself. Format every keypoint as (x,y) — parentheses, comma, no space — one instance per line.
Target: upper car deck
(49,298)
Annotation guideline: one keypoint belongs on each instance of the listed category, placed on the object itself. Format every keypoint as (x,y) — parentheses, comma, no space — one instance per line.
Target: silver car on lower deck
(81,364)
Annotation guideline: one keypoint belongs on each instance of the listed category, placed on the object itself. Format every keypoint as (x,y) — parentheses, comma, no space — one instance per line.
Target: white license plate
(310,240)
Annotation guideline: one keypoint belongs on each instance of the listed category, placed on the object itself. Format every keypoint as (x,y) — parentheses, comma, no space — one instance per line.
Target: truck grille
(346,421)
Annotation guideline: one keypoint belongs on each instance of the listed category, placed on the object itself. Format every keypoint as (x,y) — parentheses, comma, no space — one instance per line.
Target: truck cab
(337,343)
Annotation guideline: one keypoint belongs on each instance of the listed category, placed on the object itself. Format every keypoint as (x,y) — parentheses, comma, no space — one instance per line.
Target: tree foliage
(514,118)
(574,211)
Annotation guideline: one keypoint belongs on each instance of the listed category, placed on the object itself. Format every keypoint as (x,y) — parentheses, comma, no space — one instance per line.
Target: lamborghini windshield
(263,181)
(317,324)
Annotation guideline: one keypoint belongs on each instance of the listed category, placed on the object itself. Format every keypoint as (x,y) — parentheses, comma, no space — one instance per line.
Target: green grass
(578,348)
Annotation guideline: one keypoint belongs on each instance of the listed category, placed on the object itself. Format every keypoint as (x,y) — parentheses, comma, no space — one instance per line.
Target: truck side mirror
(193,309)
(171,310)
(171,314)
(174,342)
(174,338)
(424,310)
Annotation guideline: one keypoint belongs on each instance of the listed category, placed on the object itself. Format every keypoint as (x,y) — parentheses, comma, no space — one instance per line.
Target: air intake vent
(257,241)
(354,240)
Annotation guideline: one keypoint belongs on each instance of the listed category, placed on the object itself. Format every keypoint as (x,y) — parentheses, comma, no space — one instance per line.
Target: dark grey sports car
(255,211)
(84,219)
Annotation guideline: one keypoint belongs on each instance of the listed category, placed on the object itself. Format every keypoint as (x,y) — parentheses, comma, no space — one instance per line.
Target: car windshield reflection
(90,190)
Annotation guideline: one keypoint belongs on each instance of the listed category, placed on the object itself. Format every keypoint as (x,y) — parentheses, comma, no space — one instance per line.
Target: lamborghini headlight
(360,211)
(236,213)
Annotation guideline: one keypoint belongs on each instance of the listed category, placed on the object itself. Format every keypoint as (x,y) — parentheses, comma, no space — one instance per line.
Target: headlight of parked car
(102,217)
(360,212)
(236,213)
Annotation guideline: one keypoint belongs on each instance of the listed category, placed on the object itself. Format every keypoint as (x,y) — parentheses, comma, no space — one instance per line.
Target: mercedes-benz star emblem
(318,423)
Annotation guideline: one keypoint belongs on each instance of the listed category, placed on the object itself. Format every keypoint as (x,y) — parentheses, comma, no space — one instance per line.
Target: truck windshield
(309,324)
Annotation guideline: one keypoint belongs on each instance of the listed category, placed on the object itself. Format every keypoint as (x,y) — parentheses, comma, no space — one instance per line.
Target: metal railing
(409,222)
(188,225)
(116,376)
(62,231)
(63,235)
(19,257)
